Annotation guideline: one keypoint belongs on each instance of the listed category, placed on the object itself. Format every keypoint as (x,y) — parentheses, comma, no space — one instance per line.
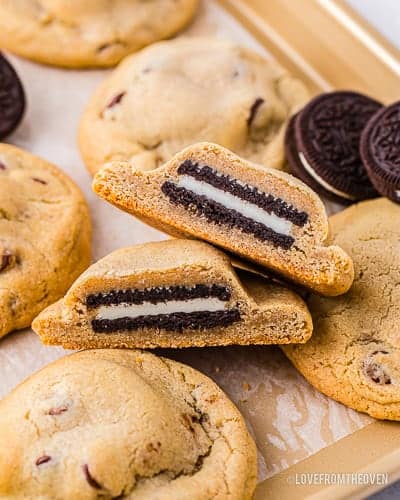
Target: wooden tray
(329,46)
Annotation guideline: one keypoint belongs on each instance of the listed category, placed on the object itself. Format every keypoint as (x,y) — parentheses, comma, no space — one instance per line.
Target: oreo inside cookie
(12,98)
(322,145)
(172,308)
(380,151)
(225,201)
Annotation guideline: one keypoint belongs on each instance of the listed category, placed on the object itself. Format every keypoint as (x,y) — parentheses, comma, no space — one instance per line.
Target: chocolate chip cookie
(123,424)
(45,236)
(354,353)
(260,214)
(176,293)
(78,34)
(175,93)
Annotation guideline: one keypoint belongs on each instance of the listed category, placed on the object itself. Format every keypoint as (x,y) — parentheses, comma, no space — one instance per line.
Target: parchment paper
(287,417)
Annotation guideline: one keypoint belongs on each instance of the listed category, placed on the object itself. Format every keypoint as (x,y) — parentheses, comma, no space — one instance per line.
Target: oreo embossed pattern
(322,145)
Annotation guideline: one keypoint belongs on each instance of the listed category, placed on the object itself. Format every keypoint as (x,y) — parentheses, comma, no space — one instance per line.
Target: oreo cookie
(322,145)
(380,151)
(12,98)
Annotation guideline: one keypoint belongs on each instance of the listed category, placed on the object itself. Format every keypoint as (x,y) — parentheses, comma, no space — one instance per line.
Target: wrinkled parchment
(287,417)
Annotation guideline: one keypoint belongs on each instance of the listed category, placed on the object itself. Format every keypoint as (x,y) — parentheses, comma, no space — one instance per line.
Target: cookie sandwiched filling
(226,201)
(171,308)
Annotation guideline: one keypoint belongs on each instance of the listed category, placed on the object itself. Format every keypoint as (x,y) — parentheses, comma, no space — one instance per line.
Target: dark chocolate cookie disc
(322,145)
(380,151)
(297,168)
(12,98)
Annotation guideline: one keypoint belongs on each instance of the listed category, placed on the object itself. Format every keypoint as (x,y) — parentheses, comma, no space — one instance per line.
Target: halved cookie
(260,214)
(176,293)
(108,424)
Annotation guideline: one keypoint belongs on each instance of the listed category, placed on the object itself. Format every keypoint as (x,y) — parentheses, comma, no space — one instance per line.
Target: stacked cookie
(345,146)
(188,136)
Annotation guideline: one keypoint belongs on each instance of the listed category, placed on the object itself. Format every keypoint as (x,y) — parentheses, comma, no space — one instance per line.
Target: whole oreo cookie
(12,98)
(322,145)
(380,151)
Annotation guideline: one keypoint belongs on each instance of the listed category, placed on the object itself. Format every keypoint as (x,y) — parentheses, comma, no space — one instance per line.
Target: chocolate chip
(42,460)
(58,410)
(90,479)
(7,260)
(376,373)
(2,166)
(153,446)
(116,100)
(40,181)
(105,46)
(253,110)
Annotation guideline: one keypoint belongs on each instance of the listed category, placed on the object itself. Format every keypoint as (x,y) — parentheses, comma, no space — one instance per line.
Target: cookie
(176,293)
(12,98)
(322,145)
(123,424)
(93,33)
(354,353)
(260,214)
(45,235)
(179,92)
(380,151)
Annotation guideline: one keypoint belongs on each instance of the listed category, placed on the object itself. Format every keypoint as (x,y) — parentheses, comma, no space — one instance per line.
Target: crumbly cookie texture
(354,353)
(176,293)
(123,424)
(260,214)
(176,93)
(76,34)
(45,234)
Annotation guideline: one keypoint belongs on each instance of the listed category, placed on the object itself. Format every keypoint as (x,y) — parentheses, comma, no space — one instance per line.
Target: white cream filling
(321,181)
(169,307)
(231,202)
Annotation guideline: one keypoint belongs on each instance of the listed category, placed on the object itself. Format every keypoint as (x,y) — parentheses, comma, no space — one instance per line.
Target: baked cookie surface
(354,353)
(75,33)
(176,93)
(176,293)
(45,234)
(123,424)
(258,213)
